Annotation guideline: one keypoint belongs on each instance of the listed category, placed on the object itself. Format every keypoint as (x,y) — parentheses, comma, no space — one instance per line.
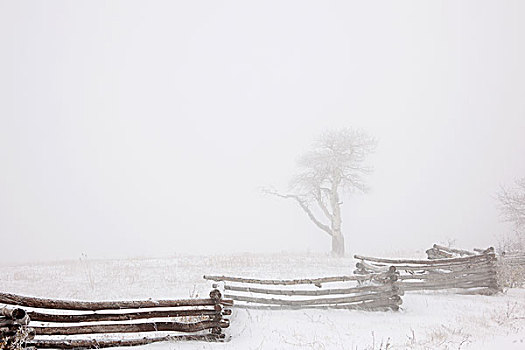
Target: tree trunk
(338,240)
(338,245)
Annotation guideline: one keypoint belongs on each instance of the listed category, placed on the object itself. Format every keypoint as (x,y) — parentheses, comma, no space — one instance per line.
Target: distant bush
(511,269)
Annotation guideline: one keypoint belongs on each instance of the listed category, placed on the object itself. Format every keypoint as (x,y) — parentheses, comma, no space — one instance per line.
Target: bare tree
(334,166)
(512,208)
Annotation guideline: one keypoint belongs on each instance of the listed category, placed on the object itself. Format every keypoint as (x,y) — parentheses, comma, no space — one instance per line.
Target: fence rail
(475,272)
(35,322)
(441,252)
(510,265)
(374,292)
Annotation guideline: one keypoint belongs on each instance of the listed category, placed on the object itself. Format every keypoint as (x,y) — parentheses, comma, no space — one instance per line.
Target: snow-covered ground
(437,320)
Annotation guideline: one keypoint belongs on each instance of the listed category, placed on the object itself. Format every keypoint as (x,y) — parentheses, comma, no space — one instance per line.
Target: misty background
(147,128)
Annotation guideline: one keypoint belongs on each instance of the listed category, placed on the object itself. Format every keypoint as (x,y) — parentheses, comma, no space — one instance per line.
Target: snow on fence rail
(376,292)
(30,322)
(476,273)
(510,265)
(508,258)
(441,252)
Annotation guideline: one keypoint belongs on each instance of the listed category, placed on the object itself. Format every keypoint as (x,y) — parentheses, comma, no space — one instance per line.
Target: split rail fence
(441,252)
(28,322)
(475,273)
(372,292)
(514,259)
(510,265)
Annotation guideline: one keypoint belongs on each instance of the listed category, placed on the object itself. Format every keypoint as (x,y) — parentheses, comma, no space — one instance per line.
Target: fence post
(216,296)
(391,279)
(494,282)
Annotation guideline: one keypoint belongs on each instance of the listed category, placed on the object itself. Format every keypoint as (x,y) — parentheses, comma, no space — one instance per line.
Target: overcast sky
(147,127)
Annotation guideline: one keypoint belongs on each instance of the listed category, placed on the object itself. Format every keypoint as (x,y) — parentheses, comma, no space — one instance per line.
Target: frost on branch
(335,165)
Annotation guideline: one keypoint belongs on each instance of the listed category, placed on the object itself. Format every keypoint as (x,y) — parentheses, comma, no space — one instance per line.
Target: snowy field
(437,320)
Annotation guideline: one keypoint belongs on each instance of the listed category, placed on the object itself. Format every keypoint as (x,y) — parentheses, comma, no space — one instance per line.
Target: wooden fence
(372,292)
(510,265)
(36,322)
(473,273)
(441,252)
(511,259)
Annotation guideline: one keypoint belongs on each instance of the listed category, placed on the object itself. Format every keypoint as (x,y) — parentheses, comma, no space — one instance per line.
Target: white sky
(147,127)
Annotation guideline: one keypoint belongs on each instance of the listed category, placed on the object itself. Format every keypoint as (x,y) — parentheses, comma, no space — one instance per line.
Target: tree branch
(302,203)
(319,198)
(512,204)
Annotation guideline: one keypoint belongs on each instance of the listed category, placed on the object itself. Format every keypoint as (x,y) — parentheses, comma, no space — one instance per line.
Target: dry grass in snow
(437,320)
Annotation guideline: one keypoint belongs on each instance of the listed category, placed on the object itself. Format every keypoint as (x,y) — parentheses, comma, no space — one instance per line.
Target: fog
(147,128)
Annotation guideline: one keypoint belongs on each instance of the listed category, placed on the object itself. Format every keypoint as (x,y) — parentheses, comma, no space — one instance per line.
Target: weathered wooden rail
(476,273)
(441,252)
(510,265)
(514,258)
(376,292)
(29,322)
